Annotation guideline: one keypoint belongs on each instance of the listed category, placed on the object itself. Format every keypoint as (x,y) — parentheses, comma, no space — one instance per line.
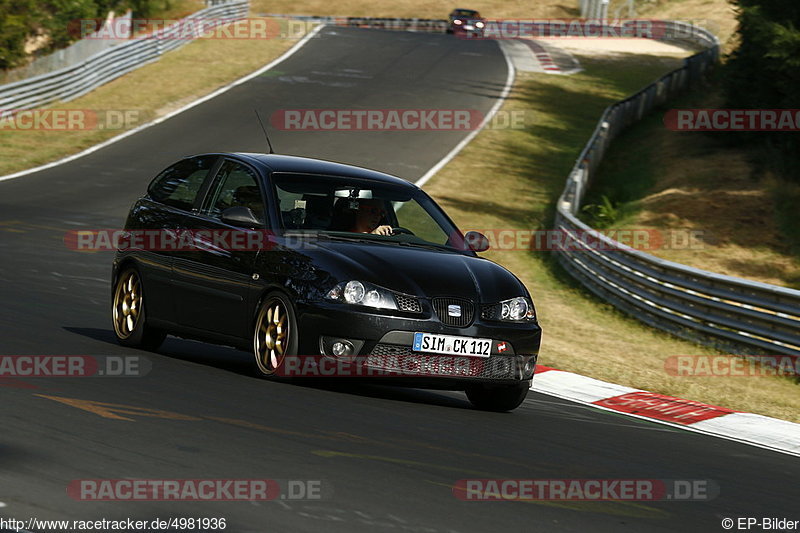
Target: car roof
(307,165)
(464,11)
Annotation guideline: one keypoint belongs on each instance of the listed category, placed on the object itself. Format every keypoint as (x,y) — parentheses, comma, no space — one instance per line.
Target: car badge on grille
(454,310)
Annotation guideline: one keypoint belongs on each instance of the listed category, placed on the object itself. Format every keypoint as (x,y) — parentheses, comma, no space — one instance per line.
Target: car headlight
(519,309)
(457,22)
(479,24)
(362,293)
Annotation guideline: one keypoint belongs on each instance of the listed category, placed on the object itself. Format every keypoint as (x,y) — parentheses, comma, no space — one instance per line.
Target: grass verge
(509,179)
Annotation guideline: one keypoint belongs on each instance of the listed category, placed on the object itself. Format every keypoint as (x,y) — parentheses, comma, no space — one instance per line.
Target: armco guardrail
(76,80)
(741,316)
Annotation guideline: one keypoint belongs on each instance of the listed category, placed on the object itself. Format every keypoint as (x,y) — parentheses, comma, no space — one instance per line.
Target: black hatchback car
(322,269)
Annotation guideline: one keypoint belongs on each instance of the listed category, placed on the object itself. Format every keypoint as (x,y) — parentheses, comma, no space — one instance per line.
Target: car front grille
(401,360)
(407,303)
(465,307)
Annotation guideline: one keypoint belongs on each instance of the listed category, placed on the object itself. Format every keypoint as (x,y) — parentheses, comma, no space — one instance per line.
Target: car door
(154,219)
(212,280)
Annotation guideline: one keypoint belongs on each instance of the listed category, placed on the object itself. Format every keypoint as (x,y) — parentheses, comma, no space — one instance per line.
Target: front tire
(129,315)
(498,399)
(275,335)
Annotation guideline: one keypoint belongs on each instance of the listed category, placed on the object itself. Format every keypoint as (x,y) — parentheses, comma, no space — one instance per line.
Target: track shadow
(240,362)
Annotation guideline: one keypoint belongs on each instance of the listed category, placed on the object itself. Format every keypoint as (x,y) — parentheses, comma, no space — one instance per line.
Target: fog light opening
(342,348)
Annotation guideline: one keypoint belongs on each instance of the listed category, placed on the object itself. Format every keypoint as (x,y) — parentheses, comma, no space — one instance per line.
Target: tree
(764,72)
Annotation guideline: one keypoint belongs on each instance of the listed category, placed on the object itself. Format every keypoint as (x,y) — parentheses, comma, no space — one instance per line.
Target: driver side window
(235,185)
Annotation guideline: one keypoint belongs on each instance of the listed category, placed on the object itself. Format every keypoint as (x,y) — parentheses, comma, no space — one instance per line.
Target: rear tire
(498,399)
(129,315)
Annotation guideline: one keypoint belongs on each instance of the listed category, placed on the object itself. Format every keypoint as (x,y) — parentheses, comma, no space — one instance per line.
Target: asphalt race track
(387,458)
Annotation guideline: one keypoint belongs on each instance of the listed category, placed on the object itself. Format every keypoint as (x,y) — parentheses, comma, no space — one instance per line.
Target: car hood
(418,271)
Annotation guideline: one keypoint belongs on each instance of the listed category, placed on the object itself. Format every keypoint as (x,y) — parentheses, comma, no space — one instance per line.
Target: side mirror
(476,241)
(242,217)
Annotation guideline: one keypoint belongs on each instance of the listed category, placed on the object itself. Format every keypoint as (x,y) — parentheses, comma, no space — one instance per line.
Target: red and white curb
(545,60)
(528,55)
(748,428)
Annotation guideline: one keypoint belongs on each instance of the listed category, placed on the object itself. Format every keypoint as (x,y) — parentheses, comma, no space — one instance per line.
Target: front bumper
(382,343)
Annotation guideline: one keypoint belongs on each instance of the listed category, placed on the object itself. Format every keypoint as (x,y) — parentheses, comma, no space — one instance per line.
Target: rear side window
(179,184)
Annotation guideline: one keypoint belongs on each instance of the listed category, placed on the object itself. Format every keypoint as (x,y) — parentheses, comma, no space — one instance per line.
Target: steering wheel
(400,230)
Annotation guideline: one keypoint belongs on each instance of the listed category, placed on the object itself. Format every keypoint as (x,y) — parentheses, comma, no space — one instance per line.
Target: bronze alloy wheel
(127,304)
(272,336)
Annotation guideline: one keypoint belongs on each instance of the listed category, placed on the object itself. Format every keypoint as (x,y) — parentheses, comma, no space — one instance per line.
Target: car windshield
(465,13)
(353,208)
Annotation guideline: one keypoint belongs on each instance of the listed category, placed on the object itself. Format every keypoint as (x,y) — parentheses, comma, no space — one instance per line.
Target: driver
(369,216)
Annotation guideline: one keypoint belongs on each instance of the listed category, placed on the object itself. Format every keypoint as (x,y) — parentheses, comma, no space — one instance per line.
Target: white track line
(159,120)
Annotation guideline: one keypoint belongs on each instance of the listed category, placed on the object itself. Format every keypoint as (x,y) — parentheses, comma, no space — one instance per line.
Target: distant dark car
(466,21)
(410,300)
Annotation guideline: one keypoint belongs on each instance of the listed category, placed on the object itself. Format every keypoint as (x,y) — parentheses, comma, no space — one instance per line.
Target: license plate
(452,345)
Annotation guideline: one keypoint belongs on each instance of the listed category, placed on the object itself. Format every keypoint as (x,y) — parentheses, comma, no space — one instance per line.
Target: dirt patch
(615,46)
(716,195)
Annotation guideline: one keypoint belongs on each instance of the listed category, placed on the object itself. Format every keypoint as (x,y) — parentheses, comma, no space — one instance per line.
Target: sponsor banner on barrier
(661,407)
(607,490)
